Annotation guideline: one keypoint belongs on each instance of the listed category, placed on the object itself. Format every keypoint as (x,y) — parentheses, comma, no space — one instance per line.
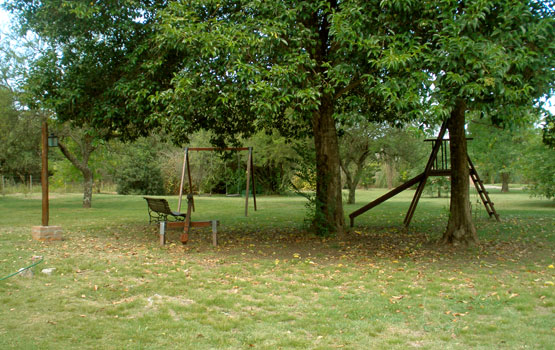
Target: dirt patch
(156,300)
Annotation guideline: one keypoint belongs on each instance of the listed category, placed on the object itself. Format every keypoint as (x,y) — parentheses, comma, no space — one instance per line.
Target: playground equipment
(186,169)
(435,167)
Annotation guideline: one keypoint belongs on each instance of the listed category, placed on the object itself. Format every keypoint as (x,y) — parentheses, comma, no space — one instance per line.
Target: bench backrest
(159,205)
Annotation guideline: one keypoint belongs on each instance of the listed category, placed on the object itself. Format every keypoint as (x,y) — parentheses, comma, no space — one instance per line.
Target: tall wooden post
(44,174)
(45,232)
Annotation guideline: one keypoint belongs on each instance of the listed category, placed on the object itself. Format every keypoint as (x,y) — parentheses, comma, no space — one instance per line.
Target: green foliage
(275,159)
(19,138)
(304,178)
(549,130)
(438,186)
(495,55)
(495,150)
(63,172)
(379,154)
(85,55)
(402,154)
(270,65)
(138,171)
(539,167)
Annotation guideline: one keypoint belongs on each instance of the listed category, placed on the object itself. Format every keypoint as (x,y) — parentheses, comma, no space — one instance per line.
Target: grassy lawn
(271,285)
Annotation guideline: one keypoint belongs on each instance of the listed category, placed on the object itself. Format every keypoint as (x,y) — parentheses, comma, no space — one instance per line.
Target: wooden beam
(174,224)
(431,140)
(385,197)
(444,172)
(44,173)
(185,159)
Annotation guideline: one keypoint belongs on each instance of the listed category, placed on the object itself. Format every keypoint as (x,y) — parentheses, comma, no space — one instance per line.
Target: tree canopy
(86,52)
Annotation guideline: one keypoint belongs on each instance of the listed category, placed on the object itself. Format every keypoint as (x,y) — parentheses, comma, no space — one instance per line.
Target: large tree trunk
(505,182)
(328,217)
(460,228)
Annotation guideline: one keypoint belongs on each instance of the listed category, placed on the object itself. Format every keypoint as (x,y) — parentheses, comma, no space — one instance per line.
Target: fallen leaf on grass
(394,299)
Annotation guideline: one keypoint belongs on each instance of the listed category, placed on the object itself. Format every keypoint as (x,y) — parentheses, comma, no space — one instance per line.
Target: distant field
(270,284)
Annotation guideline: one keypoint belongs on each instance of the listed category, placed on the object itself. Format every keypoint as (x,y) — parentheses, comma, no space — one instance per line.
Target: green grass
(270,285)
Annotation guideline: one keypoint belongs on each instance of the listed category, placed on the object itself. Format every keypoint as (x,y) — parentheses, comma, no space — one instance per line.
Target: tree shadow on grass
(361,245)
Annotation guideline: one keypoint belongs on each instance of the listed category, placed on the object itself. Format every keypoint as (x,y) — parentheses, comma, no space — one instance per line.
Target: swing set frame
(186,169)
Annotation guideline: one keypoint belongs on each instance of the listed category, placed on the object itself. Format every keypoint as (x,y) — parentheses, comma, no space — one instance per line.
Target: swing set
(187,169)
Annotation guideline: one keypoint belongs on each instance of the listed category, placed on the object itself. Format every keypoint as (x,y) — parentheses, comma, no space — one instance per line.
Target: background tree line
(372,155)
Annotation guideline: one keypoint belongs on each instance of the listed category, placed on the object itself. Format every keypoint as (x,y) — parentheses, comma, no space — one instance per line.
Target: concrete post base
(47,233)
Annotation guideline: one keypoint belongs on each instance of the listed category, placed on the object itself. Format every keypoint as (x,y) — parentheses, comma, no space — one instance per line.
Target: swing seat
(159,211)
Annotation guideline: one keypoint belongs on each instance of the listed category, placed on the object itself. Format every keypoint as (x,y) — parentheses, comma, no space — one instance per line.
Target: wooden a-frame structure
(435,167)
(186,168)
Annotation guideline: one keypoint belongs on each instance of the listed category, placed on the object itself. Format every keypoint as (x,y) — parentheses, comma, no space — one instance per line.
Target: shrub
(139,173)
